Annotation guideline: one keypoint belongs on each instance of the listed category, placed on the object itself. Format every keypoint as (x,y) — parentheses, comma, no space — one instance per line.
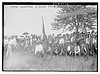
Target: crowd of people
(80,44)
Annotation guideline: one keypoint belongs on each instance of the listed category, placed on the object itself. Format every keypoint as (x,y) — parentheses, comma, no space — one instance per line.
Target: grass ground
(23,61)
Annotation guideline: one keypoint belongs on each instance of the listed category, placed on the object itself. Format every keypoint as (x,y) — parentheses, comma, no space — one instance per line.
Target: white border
(46,1)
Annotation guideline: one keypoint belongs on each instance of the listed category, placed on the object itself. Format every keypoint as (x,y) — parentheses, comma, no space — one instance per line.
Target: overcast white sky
(28,19)
(22,18)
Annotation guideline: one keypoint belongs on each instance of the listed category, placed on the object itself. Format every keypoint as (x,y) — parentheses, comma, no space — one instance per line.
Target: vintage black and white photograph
(50,36)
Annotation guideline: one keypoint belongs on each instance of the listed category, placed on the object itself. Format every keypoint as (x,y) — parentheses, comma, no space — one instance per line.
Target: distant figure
(9,51)
(14,43)
(61,41)
(77,49)
(11,45)
(39,48)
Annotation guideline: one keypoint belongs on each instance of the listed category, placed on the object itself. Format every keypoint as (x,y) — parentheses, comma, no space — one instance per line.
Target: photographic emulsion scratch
(50,36)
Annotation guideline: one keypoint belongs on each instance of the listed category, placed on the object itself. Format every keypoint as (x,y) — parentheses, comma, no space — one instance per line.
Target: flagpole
(43,30)
(44,39)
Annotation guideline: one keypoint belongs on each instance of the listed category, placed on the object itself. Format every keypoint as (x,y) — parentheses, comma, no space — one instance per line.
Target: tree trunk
(76,33)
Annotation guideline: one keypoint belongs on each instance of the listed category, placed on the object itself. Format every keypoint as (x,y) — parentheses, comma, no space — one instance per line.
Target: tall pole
(44,39)
(43,29)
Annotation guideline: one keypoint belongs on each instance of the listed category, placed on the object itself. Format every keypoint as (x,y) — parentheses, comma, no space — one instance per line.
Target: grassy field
(23,61)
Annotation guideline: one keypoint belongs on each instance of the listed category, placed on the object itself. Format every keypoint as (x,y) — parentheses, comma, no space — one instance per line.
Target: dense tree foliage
(75,17)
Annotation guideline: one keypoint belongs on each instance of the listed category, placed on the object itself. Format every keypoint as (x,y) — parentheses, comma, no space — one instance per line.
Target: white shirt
(87,41)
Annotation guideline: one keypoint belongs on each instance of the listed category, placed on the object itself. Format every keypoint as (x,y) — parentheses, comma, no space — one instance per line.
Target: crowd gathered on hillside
(81,44)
